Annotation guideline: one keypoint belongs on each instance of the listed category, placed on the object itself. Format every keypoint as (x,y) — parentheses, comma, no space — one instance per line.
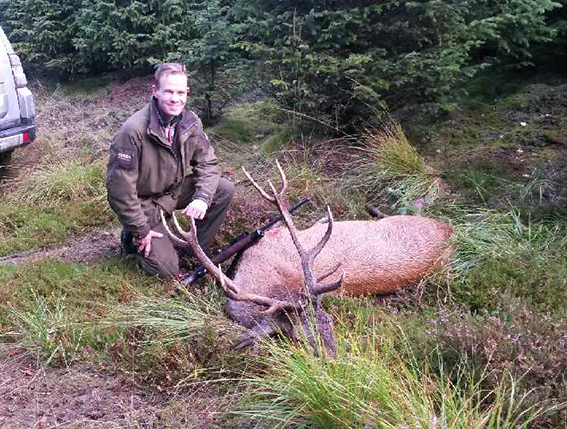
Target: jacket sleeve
(205,166)
(121,181)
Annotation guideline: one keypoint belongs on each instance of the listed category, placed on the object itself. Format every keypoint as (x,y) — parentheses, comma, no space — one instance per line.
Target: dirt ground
(93,247)
(80,397)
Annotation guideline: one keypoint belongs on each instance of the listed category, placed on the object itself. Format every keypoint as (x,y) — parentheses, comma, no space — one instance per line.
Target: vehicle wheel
(5,157)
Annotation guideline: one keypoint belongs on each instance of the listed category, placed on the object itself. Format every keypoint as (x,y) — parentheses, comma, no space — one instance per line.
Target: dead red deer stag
(274,284)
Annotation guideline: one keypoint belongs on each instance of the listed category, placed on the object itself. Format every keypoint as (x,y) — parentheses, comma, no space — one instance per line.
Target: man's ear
(154,89)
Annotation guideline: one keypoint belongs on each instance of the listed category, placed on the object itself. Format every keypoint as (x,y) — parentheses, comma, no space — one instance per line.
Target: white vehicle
(17,108)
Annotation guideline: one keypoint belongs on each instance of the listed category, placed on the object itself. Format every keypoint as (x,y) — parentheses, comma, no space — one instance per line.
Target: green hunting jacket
(144,173)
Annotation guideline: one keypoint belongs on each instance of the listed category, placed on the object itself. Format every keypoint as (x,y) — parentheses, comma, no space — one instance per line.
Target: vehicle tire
(5,157)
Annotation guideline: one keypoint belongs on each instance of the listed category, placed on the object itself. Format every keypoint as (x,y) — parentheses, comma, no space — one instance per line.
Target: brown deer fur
(279,280)
(378,257)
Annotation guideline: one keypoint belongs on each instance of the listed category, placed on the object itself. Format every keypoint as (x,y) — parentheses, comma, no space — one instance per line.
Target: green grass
(51,308)
(371,384)
(26,227)
(390,169)
(88,86)
(50,332)
(51,185)
(82,287)
(52,203)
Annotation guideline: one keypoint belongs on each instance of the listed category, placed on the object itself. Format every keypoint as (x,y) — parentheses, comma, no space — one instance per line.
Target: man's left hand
(196,209)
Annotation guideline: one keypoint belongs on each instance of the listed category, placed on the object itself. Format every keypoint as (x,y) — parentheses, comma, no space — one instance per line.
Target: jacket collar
(186,119)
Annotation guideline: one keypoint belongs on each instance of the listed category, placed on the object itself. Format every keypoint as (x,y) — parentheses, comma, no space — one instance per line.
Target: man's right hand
(145,244)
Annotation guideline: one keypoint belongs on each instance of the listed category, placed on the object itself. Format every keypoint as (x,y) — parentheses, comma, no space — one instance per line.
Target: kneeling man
(162,159)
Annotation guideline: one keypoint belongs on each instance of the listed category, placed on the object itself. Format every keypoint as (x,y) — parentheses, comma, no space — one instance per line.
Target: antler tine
(204,260)
(171,234)
(258,187)
(229,287)
(284,179)
(273,305)
(319,246)
(281,193)
(324,288)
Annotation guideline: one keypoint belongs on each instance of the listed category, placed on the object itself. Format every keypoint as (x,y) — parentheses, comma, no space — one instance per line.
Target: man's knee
(162,260)
(225,191)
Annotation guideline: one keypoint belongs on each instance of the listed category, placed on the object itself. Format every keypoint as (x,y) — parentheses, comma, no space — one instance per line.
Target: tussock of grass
(45,331)
(390,168)
(488,233)
(179,342)
(52,202)
(172,320)
(392,152)
(57,183)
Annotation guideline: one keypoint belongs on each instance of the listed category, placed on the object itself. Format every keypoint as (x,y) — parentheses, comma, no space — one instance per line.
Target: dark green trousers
(163,260)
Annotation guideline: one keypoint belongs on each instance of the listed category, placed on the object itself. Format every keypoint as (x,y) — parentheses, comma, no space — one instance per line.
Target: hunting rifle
(239,245)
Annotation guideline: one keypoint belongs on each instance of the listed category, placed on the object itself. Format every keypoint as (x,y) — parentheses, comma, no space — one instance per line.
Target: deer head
(284,309)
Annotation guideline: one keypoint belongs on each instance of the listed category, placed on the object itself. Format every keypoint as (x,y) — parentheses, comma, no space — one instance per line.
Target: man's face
(172,94)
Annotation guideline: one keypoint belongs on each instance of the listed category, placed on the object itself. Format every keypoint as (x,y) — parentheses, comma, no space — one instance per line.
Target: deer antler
(307,257)
(230,288)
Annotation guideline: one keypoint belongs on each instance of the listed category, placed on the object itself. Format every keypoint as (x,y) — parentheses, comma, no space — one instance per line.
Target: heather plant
(529,345)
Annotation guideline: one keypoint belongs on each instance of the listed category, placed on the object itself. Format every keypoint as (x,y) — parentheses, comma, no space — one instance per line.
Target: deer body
(280,280)
(378,257)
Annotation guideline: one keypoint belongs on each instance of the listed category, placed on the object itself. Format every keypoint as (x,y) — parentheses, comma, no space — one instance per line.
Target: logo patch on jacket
(126,158)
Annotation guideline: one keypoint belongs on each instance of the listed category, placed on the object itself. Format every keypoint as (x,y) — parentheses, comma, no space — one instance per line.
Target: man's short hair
(167,69)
